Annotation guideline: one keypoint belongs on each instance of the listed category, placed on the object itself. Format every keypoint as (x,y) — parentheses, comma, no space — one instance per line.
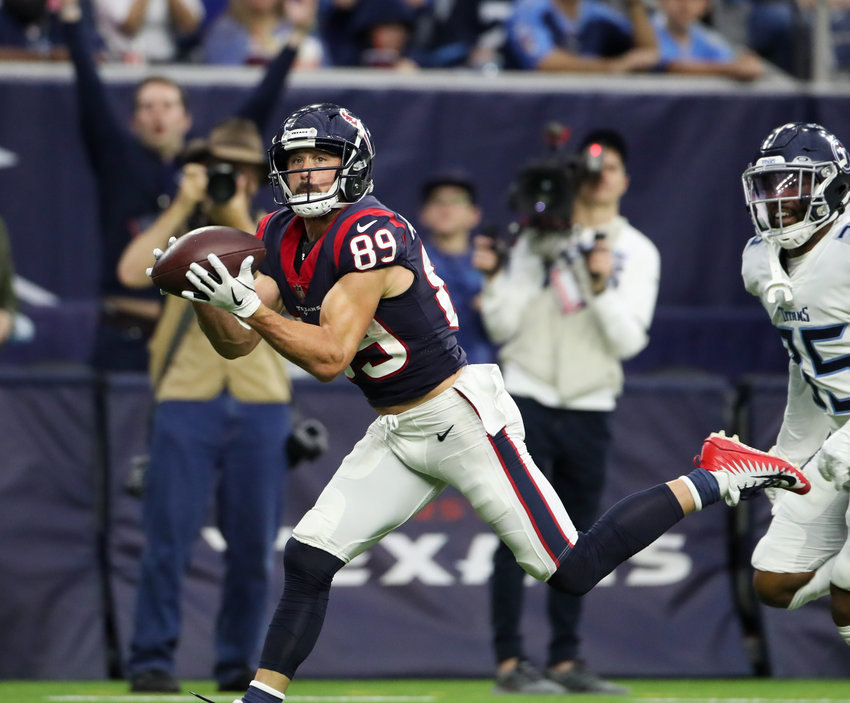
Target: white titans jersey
(815,325)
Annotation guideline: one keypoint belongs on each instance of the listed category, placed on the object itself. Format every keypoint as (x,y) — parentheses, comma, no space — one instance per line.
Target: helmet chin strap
(778,289)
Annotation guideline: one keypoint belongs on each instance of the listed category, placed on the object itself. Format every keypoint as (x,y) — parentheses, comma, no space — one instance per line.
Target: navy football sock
(703,486)
(629,526)
(255,694)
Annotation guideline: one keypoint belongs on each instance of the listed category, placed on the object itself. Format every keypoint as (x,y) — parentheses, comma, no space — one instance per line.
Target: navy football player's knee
(312,567)
(298,618)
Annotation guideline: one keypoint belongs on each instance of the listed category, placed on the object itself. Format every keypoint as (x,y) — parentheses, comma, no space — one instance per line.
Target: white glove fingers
(194,296)
(245,269)
(202,279)
(202,282)
(218,266)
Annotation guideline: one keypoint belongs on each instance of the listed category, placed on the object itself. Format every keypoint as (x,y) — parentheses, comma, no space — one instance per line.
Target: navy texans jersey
(410,346)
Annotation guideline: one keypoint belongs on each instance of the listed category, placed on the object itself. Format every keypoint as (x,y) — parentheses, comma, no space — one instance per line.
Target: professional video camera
(544,190)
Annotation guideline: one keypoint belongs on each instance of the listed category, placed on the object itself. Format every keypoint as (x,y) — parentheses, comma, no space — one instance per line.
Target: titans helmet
(798,182)
(335,130)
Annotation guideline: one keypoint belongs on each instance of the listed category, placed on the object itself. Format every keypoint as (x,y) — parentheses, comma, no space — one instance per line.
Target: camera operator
(219,429)
(573,298)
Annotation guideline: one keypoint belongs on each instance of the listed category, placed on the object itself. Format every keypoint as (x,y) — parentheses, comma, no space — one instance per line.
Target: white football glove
(235,295)
(834,460)
(157,254)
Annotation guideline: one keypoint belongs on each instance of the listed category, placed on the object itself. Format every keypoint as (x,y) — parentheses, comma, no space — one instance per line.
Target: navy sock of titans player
(625,529)
(300,614)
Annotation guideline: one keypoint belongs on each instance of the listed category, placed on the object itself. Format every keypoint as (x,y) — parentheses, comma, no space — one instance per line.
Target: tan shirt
(198,372)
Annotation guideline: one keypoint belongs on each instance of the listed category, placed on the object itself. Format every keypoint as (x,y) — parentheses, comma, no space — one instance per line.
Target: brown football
(231,245)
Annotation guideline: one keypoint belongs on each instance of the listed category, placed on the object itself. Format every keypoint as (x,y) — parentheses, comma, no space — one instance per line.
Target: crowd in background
(740,39)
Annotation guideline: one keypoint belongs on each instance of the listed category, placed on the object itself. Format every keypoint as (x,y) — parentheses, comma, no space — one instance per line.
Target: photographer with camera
(571,300)
(219,428)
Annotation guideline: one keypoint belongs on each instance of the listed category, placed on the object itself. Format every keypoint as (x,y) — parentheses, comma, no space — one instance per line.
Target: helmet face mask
(799,183)
(328,128)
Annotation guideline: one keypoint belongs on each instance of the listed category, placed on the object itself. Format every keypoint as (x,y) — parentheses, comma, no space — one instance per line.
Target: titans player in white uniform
(367,303)
(798,265)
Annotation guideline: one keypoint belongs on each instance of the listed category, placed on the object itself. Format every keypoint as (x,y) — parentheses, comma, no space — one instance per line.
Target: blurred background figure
(30,31)
(253,32)
(460,33)
(574,297)
(218,434)
(8,301)
(580,35)
(688,46)
(383,31)
(449,217)
(146,31)
(136,169)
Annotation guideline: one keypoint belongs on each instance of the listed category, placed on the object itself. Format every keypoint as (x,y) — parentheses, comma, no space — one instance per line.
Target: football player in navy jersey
(358,275)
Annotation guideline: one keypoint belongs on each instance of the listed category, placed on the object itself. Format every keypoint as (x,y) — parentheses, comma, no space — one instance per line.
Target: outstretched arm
(100,124)
(262,100)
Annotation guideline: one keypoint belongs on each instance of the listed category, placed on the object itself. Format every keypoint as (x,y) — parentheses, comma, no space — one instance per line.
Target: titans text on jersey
(813,325)
(410,346)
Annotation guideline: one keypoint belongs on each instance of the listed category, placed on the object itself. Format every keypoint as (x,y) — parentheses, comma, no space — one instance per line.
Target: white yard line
(136,698)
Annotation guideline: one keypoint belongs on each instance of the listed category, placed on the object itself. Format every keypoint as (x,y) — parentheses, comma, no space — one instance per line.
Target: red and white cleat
(743,471)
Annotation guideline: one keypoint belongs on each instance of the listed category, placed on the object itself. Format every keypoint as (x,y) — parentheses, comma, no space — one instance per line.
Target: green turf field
(442,691)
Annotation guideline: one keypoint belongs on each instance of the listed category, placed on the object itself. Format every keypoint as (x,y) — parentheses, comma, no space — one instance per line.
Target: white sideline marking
(739,700)
(181,699)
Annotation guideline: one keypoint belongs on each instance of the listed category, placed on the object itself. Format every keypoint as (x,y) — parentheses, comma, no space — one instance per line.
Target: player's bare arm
(326,349)
(229,337)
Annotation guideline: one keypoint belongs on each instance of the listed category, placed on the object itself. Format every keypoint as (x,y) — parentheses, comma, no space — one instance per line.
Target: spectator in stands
(450,215)
(457,33)
(141,31)
(383,31)
(213,9)
(30,32)
(336,33)
(136,176)
(253,32)
(689,47)
(580,36)
(780,32)
(591,280)
(8,300)
(219,428)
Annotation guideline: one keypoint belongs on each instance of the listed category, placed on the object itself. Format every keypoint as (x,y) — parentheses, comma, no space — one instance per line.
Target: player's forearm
(230,339)
(311,347)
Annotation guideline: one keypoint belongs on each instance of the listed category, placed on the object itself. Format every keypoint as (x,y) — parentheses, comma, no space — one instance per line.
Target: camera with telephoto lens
(221,182)
(307,441)
(544,190)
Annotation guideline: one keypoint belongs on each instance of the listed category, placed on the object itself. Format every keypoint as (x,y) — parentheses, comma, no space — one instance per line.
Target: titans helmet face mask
(332,129)
(799,182)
